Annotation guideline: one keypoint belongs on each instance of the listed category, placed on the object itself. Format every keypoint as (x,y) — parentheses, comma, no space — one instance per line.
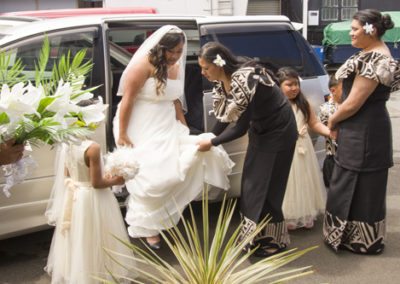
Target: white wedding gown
(172,172)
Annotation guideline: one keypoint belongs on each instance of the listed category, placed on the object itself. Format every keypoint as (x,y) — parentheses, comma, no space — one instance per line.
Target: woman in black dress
(355,210)
(245,94)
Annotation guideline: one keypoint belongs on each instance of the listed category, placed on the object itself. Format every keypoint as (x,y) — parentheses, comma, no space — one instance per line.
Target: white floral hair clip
(219,61)
(369,28)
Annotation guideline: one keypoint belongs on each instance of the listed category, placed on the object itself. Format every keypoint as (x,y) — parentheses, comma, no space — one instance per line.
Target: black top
(268,118)
(365,139)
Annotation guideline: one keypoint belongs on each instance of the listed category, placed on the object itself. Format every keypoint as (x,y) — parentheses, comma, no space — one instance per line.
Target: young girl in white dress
(87,218)
(305,193)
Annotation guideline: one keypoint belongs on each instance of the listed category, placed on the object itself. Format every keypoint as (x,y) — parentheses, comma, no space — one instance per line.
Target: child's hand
(333,134)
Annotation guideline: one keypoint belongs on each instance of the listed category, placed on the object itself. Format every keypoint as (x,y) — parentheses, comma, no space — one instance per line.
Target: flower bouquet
(46,110)
(120,163)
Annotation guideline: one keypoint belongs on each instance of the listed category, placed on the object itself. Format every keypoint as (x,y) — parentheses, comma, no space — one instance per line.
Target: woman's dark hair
(158,60)
(382,23)
(211,49)
(288,73)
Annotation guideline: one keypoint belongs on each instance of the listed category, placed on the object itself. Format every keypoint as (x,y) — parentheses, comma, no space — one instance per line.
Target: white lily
(62,104)
(94,113)
(82,97)
(20,100)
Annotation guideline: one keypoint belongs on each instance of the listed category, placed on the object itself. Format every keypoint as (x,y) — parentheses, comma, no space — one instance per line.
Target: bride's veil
(56,199)
(144,51)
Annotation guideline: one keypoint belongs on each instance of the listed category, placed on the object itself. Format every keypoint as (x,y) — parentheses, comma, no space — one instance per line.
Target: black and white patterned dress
(355,210)
(257,106)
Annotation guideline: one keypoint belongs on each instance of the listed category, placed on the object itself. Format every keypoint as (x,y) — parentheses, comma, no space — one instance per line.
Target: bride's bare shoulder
(142,68)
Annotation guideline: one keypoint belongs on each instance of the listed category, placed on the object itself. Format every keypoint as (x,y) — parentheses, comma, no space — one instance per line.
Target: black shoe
(268,251)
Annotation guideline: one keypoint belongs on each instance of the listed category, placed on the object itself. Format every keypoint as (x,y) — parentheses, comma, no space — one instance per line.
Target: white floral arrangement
(121,162)
(219,61)
(368,28)
(46,111)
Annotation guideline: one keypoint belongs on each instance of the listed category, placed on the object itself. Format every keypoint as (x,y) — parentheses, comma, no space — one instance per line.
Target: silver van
(110,42)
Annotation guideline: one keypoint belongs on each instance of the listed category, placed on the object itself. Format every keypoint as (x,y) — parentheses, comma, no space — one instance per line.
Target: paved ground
(22,259)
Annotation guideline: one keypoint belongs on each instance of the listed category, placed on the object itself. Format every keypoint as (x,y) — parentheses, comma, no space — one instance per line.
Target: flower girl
(87,218)
(305,194)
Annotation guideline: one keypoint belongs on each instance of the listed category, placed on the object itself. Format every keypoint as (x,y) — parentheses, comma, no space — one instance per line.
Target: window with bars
(338,10)
(330,10)
(90,3)
(349,7)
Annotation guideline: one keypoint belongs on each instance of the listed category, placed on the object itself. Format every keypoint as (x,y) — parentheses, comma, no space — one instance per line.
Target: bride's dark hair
(158,60)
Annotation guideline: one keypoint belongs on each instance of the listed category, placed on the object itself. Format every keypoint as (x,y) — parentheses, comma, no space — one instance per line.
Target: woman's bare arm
(134,81)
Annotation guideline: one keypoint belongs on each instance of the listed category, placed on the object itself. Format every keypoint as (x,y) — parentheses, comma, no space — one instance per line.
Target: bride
(150,118)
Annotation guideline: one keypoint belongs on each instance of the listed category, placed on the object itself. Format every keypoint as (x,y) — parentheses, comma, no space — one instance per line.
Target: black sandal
(267,250)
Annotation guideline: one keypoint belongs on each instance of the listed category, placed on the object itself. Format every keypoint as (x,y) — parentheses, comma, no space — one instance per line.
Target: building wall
(187,7)
(28,5)
(315,33)
(384,5)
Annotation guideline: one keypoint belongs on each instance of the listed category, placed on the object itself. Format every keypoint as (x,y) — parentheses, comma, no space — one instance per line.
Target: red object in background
(61,13)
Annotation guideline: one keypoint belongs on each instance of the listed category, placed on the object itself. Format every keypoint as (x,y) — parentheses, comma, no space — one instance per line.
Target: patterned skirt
(356,210)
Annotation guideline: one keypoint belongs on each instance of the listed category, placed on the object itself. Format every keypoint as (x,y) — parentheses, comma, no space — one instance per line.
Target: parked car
(271,39)
(62,13)
(9,22)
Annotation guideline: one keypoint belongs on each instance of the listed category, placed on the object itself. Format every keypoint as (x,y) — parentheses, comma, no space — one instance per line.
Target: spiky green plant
(206,259)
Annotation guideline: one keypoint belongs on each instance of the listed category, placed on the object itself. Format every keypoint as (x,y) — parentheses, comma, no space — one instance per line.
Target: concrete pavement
(22,259)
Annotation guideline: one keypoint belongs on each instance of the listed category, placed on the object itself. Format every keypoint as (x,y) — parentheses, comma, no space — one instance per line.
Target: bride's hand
(124,141)
(204,145)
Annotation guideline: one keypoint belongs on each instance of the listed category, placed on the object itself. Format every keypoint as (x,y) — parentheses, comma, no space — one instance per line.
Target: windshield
(274,46)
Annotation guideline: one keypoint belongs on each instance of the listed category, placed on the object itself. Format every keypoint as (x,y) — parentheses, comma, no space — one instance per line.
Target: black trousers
(264,182)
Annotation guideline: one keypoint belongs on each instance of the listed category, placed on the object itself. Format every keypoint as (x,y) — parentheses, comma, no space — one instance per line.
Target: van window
(275,45)
(29,51)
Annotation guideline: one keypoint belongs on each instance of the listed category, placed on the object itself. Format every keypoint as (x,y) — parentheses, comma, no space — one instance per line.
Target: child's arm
(93,161)
(323,114)
(316,125)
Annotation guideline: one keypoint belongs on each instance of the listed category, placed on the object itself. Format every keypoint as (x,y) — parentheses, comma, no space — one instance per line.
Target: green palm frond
(40,66)
(207,259)
(47,131)
(68,68)
(72,133)
(10,73)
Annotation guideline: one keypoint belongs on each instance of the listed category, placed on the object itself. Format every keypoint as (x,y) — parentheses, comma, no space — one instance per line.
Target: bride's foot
(154,242)
(309,224)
